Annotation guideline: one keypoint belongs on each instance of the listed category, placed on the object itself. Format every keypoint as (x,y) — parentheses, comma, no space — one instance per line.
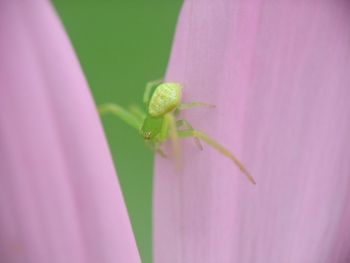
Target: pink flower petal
(59,197)
(279,73)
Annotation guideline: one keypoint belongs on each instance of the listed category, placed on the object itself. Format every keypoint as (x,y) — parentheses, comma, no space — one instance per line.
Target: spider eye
(147,135)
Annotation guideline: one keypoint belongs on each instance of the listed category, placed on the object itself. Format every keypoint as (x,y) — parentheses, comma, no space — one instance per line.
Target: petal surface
(60,200)
(279,74)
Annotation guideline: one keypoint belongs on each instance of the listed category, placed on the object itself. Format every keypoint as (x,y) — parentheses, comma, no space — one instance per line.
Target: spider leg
(155,147)
(202,136)
(174,136)
(188,126)
(148,89)
(160,151)
(191,105)
(122,113)
(137,112)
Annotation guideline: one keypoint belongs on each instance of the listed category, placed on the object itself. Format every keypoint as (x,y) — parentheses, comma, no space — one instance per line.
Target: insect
(159,123)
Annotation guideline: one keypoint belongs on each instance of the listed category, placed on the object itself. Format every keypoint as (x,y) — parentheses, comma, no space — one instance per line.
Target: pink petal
(279,73)
(59,197)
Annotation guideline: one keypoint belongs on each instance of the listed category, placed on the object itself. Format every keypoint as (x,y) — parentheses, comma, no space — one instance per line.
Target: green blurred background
(121,45)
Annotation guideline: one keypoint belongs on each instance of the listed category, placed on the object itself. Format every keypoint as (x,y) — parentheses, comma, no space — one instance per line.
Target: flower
(60,200)
(279,73)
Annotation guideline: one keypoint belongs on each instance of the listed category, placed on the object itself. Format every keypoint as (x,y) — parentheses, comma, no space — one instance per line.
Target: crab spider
(159,124)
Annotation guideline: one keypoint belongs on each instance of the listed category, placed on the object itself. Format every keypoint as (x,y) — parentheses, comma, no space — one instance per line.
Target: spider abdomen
(166,97)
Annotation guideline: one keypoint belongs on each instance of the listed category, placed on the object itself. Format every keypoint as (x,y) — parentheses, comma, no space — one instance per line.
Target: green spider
(164,103)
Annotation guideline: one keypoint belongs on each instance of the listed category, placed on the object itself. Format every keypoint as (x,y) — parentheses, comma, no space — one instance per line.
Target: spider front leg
(125,115)
(191,105)
(202,136)
(137,112)
(188,126)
